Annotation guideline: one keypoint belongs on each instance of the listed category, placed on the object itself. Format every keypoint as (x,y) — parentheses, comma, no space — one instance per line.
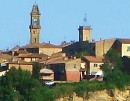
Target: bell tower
(35,24)
(85,33)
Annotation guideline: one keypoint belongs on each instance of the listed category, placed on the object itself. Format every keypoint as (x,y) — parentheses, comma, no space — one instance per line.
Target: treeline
(20,85)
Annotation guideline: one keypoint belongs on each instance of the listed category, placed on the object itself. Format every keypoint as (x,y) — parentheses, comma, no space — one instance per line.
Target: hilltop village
(62,62)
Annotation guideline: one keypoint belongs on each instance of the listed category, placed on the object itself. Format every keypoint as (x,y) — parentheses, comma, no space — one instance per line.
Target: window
(95,65)
(128,48)
(35,40)
(33,32)
(74,65)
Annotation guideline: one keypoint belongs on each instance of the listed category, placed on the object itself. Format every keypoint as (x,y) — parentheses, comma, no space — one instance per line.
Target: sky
(60,20)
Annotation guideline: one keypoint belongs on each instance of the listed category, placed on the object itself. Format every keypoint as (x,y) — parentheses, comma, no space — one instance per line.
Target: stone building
(122,46)
(102,46)
(85,33)
(65,69)
(93,64)
(35,24)
(42,48)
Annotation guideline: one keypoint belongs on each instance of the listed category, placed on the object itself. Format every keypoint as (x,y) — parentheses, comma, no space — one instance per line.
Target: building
(122,46)
(85,33)
(102,46)
(93,64)
(42,48)
(33,57)
(46,74)
(21,64)
(35,24)
(65,69)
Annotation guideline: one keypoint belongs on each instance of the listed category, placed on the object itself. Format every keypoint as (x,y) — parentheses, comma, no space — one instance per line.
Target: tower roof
(35,10)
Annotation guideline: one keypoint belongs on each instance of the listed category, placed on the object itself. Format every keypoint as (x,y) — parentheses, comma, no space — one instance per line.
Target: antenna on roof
(85,20)
(35,1)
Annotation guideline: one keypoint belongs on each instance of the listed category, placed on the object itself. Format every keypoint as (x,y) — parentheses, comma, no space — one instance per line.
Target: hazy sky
(60,20)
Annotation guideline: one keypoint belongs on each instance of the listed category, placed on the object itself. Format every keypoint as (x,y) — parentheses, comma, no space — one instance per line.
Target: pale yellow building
(93,64)
(122,46)
(33,57)
(21,64)
(42,48)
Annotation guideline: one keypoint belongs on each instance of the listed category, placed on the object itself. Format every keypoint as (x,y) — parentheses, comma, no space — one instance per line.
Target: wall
(49,51)
(72,68)
(124,50)
(101,47)
(30,59)
(28,67)
(94,69)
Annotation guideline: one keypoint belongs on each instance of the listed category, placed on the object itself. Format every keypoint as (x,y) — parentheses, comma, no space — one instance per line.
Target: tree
(126,64)
(112,69)
(36,70)
(81,54)
(17,84)
(112,60)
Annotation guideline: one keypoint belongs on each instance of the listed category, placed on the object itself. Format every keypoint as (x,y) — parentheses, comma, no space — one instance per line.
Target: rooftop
(94,58)
(40,45)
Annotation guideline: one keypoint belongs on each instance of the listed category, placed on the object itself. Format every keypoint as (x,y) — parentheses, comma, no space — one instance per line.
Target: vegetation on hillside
(20,85)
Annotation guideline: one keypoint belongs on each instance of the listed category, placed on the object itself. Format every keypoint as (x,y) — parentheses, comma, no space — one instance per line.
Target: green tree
(112,60)
(112,69)
(17,84)
(36,70)
(126,64)
(81,54)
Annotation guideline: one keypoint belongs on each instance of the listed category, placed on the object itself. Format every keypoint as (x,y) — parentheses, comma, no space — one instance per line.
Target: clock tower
(35,24)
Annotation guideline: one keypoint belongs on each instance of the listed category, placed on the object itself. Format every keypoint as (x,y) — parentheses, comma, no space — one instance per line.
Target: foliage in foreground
(115,68)
(18,85)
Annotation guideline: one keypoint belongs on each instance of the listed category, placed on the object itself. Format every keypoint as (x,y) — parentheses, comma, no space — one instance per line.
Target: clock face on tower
(35,21)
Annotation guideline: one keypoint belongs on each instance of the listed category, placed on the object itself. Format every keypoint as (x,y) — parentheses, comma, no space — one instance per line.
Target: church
(34,46)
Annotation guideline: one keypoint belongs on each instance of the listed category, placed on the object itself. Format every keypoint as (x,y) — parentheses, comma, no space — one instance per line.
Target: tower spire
(85,20)
(85,31)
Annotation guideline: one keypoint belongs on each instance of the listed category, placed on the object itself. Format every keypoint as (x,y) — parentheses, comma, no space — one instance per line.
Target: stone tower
(85,33)
(35,24)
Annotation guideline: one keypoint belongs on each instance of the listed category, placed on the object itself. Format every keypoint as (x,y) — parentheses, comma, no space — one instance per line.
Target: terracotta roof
(59,60)
(33,55)
(94,58)
(40,45)
(59,54)
(125,41)
(5,56)
(20,62)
